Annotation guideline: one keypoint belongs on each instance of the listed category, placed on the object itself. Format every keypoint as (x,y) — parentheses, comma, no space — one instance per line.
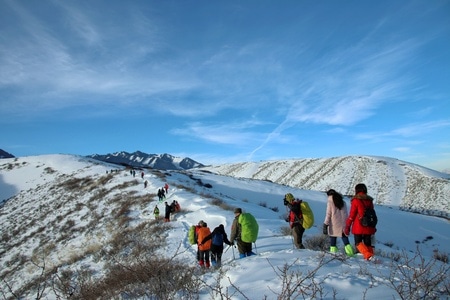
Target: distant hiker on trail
(167,213)
(134,173)
(203,248)
(160,195)
(363,234)
(145,184)
(245,231)
(156,212)
(334,223)
(173,207)
(295,219)
(217,237)
(166,188)
(142,175)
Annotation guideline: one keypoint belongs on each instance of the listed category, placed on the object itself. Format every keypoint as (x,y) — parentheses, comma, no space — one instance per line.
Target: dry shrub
(126,184)
(285,230)
(219,202)
(49,170)
(320,242)
(415,277)
(77,184)
(105,179)
(151,279)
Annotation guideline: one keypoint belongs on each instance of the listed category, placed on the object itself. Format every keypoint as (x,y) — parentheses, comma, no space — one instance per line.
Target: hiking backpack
(192,236)
(217,239)
(301,209)
(308,216)
(249,227)
(369,218)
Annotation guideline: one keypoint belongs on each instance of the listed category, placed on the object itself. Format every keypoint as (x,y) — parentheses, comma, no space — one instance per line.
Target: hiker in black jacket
(218,237)
(167,213)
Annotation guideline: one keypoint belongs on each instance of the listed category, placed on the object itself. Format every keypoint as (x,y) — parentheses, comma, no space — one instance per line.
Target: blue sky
(227,81)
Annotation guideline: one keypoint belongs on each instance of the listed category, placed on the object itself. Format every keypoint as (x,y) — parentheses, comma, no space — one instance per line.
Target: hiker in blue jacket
(218,237)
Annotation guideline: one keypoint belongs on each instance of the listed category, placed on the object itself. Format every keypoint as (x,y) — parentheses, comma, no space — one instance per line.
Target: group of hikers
(361,221)
(339,222)
(244,230)
(169,209)
(162,192)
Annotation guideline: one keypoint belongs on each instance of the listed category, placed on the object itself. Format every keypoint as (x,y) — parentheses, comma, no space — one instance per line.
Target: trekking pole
(256,249)
(229,246)
(234,257)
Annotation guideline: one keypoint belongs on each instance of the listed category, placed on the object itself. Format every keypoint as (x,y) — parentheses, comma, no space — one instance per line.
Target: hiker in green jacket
(244,248)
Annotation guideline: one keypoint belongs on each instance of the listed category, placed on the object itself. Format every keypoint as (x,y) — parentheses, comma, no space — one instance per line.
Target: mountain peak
(139,159)
(4,154)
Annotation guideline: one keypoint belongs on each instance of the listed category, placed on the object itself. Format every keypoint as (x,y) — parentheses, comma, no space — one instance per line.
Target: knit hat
(201,222)
(238,210)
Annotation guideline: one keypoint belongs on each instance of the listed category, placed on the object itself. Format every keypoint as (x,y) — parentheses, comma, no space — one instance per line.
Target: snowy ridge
(67,211)
(390,181)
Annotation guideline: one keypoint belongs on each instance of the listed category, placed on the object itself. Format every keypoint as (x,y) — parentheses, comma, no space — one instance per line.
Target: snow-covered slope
(64,214)
(390,181)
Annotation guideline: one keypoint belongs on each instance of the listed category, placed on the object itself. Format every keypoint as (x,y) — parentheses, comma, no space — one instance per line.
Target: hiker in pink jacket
(335,222)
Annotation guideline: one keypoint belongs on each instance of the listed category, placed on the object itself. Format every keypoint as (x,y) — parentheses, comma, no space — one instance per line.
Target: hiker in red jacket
(362,234)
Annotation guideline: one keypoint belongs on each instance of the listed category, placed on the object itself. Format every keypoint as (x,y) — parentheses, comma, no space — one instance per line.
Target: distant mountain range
(4,154)
(140,159)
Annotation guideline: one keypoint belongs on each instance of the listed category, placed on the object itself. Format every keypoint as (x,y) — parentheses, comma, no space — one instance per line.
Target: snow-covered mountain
(140,159)
(78,228)
(390,181)
(4,154)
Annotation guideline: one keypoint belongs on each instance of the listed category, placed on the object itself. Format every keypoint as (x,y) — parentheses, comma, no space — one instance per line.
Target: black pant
(366,238)
(216,253)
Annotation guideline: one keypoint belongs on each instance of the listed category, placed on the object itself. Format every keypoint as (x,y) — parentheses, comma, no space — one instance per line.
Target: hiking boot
(366,251)
(334,249)
(241,255)
(301,246)
(349,250)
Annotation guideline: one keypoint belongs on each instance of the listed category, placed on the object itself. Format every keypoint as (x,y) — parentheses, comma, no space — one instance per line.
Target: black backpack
(369,218)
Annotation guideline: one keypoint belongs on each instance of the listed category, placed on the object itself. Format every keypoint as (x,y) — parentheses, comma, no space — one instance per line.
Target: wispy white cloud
(402,149)
(237,133)
(420,129)
(405,133)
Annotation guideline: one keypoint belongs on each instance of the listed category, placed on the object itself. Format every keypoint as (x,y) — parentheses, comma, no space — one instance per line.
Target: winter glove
(347,230)
(287,219)
(325,229)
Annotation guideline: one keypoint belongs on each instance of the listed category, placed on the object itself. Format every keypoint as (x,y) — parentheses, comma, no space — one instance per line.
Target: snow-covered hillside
(62,217)
(390,181)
